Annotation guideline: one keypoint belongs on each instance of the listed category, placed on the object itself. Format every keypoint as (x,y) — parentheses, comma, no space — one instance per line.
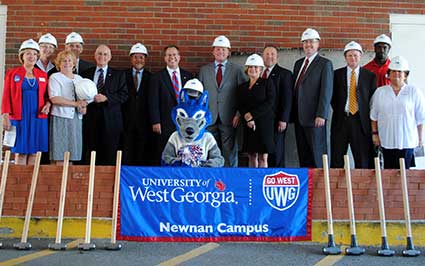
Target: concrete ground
(167,254)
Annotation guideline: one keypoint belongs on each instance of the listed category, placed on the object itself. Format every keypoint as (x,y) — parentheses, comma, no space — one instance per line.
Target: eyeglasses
(47,46)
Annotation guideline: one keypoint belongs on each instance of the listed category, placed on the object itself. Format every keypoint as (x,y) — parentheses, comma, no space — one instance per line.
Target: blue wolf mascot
(191,145)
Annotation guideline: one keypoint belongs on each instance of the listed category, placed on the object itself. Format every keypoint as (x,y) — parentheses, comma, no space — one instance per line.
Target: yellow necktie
(352,102)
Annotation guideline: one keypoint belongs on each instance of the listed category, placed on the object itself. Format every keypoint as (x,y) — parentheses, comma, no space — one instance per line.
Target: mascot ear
(183,97)
(203,100)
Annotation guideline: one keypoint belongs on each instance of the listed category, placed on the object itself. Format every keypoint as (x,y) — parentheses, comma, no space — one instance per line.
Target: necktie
(136,80)
(352,102)
(301,76)
(219,76)
(100,81)
(266,71)
(175,82)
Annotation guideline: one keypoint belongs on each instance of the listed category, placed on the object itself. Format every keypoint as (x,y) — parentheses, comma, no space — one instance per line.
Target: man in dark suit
(313,76)
(102,124)
(221,79)
(74,42)
(353,89)
(137,132)
(282,79)
(164,89)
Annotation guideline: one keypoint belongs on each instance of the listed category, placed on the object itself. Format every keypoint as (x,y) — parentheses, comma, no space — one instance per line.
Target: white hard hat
(399,63)
(382,38)
(309,34)
(194,87)
(254,60)
(48,38)
(138,48)
(353,46)
(74,37)
(221,41)
(85,89)
(29,44)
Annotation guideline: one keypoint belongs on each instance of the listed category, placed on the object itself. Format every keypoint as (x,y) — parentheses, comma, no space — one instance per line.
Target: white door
(408,36)
(3,18)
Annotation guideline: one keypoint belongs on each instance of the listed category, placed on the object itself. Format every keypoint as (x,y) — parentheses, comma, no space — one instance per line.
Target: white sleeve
(419,107)
(374,106)
(54,86)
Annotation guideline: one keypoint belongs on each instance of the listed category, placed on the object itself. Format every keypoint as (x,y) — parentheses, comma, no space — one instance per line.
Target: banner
(214,204)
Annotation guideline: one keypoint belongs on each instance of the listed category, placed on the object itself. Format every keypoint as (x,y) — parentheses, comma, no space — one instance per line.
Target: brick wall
(192,25)
(363,182)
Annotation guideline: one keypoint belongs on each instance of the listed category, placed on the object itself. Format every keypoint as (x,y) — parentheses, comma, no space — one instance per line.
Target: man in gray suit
(313,76)
(221,78)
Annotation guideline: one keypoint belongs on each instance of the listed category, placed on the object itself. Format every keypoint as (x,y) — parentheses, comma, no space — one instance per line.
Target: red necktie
(266,71)
(219,76)
(175,82)
(300,78)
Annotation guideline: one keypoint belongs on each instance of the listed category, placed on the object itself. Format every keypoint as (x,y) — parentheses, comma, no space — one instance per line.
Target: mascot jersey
(190,145)
(202,152)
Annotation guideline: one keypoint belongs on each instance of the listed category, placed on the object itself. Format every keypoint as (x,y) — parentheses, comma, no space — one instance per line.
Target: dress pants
(277,159)
(225,135)
(311,145)
(392,157)
(350,132)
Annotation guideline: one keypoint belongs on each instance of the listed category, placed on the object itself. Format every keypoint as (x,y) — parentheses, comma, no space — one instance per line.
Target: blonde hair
(62,55)
(21,54)
(246,69)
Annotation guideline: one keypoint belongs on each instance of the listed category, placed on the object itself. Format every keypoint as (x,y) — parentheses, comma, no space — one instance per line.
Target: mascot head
(191,115)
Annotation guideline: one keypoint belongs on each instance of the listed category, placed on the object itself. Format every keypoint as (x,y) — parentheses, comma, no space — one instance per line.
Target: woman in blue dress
(25,105)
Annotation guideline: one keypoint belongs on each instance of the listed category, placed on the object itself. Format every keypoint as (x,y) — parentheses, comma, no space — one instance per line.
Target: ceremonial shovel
(87,245)
(58,245)
(3,183)
(114,245)
(385,249)
(354,249)
(331,249)
(24,245)
(410,250)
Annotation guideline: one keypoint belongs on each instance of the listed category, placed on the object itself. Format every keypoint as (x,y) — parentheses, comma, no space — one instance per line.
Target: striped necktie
(352,101)
(301,76)
(100,81)
(175,82)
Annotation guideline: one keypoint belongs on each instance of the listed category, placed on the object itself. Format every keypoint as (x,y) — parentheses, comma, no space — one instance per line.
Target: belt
(348,114)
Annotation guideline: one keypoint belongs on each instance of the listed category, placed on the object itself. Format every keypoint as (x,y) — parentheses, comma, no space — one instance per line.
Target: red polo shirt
(380,72)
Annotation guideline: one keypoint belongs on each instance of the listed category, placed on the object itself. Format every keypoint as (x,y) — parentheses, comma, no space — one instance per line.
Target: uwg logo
(281,190)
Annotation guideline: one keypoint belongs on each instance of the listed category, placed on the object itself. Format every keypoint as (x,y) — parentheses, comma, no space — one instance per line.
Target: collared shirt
(62,86)
(356,72)
(139,78)
(380,72)
(96,74)
(310,59)
(398,116)
(270,70)
(170,72)
(50,65)
(223,67)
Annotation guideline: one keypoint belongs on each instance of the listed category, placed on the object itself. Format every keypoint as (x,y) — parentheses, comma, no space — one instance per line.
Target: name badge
(42,79)
(17,78)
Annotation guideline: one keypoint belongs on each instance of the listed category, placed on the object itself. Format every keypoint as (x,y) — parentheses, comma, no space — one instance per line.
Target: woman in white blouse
(397,113)
(65,130)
